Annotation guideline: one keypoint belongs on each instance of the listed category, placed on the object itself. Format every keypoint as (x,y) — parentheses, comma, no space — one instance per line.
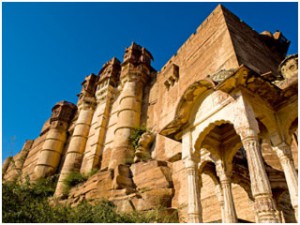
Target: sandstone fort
(213,134)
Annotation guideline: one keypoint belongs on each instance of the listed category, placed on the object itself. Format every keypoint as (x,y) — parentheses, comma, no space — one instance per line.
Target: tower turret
(86,106)
(135,73)
(50,154)
(106,88)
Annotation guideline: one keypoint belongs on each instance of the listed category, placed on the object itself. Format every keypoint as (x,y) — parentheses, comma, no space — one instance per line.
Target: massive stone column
(105,93)
(73,158)
(229,212)
(50,154)
(284,154)
(135,73)
(260,185)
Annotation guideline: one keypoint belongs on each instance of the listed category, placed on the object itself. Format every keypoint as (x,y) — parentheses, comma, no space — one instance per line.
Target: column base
(265,209)
(296,212)
(267,217)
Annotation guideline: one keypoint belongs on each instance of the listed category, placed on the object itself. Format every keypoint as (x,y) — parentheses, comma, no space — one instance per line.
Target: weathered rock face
(143,186)
(153,183)
(221,137)
(14,166)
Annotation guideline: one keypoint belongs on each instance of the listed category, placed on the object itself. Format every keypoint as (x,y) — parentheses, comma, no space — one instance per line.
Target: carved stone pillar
(283,152)
(220,197)
(229,209)
(77,144)
(50,154)
(260,185)
(194,215)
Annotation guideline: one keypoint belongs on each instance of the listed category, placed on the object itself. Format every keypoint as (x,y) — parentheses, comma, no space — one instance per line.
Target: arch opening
(224,146)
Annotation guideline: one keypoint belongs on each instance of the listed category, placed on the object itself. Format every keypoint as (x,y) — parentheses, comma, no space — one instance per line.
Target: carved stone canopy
(111,69)
(63,111)
(89,84)
(137,54)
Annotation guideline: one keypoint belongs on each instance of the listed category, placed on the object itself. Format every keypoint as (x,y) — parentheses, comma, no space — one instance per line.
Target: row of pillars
(260,186)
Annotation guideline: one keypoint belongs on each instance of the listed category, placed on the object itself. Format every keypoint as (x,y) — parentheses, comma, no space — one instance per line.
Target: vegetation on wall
(29,203)
(74,178)
(135,136)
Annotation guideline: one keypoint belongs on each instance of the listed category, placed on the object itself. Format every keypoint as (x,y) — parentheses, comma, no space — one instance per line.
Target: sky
(48,48)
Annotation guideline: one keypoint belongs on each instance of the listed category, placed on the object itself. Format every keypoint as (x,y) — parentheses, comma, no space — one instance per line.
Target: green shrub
(74,178)
(28,203)
(44,187)
(102,212)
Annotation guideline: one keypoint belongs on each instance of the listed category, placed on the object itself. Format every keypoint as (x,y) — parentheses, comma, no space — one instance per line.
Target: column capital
(190,163)
(223,174)
(283,151)
(246,133)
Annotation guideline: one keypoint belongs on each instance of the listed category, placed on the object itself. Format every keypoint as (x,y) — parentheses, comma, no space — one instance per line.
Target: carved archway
(226,150)
(184,107)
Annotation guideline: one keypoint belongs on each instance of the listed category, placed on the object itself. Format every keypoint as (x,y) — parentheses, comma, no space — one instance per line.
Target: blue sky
(48,48)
